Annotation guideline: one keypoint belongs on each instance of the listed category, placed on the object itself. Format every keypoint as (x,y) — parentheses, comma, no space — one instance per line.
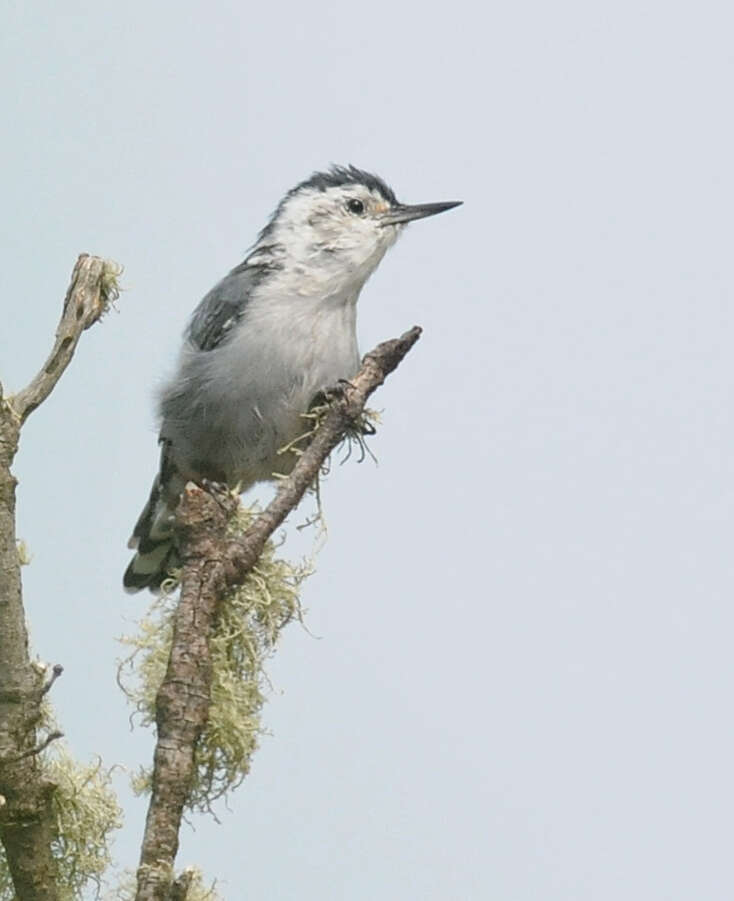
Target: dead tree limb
(26,822)
(92,288)
(212,563)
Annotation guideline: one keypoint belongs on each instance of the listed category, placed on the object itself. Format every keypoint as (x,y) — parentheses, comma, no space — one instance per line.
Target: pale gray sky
(523,683)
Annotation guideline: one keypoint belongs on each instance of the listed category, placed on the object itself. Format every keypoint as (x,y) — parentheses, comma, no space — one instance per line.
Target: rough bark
(26,821)
(212,563)
(182,702)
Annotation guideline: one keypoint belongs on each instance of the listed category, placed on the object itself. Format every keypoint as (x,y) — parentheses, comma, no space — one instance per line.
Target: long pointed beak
(400,213)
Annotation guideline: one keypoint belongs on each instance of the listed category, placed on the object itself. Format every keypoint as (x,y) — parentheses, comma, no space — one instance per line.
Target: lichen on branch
(216,565)
(32,786)
(85,812)
(245,630)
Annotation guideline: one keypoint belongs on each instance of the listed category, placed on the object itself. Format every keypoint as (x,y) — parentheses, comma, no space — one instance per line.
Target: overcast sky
(522,682)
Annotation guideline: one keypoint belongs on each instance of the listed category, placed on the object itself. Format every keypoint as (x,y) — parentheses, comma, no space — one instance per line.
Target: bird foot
(219,491)
(332,392)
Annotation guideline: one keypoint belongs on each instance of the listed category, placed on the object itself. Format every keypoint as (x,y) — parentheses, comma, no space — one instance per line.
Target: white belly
(252,391)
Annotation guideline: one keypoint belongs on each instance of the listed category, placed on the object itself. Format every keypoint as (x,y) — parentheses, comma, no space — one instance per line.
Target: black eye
(355,206)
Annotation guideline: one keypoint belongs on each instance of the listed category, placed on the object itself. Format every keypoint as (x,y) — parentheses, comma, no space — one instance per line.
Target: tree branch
(30,752)
(26,821)
(346,410)
(93,287)
(58,669)
(212,563)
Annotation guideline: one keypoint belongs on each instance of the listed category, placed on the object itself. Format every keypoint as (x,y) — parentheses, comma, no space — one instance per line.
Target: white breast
(256,387)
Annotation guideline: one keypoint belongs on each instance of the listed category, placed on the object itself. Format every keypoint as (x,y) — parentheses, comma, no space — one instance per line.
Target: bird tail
(153,535)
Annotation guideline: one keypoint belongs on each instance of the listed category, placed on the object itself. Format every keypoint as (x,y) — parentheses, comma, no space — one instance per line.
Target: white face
(332,239)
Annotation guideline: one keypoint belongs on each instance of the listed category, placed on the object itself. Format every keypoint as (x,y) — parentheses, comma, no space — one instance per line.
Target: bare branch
(211,563)
(31,752)
(26,820)
(55,673)
(93,287)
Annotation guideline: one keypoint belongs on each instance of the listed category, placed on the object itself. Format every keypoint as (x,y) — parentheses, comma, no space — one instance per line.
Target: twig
(346,409)
(31,752)
(55,673)
(211,564)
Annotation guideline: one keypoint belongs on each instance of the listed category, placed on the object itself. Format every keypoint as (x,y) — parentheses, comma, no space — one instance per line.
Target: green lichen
(85,812)
(356,432)
(126,888)
(246,630)
(110,282)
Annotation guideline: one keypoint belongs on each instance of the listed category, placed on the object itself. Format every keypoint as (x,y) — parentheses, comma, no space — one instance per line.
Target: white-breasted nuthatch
(276,331)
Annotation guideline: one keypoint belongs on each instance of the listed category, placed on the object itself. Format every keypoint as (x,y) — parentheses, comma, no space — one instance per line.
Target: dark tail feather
(150,570)
(152,537)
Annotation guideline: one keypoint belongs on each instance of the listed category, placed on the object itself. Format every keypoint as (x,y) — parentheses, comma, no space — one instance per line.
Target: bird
(268,339)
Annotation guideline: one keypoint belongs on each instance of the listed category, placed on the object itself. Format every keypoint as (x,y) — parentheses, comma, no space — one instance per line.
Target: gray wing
(223,307)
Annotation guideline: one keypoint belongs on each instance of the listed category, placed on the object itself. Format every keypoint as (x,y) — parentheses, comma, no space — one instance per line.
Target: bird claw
(332,392)
(218,490)
(335,392)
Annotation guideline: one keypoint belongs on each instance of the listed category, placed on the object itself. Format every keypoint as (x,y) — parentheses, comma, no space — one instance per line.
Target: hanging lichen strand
(85,812)
(245,632)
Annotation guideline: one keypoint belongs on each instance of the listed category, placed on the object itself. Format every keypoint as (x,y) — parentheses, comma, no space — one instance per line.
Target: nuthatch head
(339,222)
